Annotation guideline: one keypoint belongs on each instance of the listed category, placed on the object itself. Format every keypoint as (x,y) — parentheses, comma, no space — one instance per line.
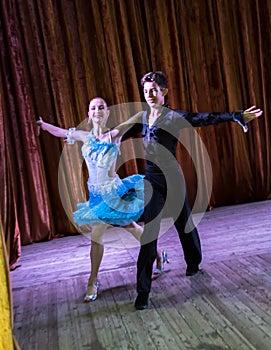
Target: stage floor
(227,305)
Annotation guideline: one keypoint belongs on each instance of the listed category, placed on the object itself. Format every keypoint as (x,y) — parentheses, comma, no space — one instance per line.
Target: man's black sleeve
(134,131)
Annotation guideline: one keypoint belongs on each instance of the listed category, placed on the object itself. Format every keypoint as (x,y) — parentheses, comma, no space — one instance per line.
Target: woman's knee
(97,233)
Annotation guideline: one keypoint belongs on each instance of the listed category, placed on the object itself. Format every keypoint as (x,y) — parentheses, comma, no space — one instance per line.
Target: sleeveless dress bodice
(111,200)
(99,157)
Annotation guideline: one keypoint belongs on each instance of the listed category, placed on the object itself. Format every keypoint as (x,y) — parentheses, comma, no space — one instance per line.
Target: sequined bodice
(99,157)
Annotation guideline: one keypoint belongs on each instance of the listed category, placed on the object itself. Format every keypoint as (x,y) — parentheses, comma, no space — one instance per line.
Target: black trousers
(172,192)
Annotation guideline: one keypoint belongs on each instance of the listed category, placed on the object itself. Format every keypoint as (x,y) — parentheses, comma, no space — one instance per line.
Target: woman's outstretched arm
(77,135)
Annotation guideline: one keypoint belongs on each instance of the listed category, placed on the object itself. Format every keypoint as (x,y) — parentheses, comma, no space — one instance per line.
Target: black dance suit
(168,185)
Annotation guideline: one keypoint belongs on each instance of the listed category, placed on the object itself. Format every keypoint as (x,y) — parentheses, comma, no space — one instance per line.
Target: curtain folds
(57,55)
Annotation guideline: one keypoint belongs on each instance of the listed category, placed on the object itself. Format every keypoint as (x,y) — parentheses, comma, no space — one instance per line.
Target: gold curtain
(57,55)
(6,314)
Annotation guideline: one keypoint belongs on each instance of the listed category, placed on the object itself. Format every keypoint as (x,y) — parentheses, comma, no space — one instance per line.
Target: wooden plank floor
(225,306)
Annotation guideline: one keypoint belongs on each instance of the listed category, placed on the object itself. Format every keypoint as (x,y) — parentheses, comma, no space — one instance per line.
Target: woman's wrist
(69,139)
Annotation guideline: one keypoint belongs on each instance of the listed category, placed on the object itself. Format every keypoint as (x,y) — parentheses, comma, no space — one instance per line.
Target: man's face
(153,94)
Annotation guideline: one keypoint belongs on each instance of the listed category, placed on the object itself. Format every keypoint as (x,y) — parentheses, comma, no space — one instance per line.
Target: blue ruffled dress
(112,200)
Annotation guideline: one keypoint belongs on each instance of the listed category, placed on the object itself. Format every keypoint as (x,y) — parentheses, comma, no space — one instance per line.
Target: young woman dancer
(112,201)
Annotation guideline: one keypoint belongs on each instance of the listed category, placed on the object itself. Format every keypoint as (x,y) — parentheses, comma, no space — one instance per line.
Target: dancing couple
(158,125)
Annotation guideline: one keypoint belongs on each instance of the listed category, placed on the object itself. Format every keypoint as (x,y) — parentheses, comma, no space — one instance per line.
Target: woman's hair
(98,98)
(157,77)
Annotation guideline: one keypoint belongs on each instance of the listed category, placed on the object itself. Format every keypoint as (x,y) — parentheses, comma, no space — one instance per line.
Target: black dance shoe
(191,270)
(141,302)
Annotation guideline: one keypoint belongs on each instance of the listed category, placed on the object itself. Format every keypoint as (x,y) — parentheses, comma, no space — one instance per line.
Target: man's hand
(252,113)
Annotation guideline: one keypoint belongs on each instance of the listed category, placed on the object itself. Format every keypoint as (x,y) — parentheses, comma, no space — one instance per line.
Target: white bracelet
(69,139)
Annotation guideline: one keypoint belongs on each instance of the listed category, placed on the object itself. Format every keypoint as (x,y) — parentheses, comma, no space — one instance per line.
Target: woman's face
(98,112)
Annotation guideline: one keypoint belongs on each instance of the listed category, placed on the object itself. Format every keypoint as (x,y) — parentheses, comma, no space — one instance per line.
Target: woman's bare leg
(96,255)
(137,230)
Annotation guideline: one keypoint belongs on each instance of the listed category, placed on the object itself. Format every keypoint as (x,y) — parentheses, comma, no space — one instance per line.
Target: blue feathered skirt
(116,202)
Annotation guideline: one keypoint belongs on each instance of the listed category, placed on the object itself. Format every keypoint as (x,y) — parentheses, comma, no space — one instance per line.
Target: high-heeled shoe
(161,263)
(92,296)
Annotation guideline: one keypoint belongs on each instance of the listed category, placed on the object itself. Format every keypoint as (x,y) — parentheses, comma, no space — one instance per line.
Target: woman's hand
(39,123)
(252,113)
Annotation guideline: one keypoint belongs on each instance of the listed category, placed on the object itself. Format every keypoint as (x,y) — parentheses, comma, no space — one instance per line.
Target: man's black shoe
(191,271)
(141,302)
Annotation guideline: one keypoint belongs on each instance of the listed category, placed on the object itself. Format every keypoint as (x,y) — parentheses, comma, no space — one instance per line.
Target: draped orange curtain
(57,55)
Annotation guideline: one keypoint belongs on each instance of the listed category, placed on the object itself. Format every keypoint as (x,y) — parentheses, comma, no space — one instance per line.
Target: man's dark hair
(157,77)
